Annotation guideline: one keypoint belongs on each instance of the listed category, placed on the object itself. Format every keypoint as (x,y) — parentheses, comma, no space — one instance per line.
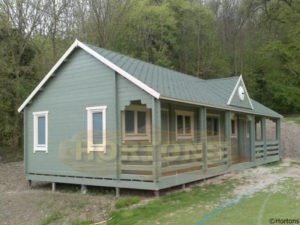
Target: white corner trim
(235,88)
(119,70)
(101,59)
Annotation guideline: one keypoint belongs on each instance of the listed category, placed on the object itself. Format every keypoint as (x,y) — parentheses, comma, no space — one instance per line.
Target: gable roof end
(97,56)
(240,80)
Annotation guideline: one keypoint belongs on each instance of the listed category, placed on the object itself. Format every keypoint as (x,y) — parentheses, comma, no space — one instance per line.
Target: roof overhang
(218,107)
(95,54)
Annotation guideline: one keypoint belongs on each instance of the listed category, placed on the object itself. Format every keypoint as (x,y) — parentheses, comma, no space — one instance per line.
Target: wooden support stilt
(183,186)
(29,184)
(83,189)
(156,193)
(117,192)
(53,187)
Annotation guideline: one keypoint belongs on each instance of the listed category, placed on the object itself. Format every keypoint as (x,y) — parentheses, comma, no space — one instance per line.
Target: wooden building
(105,119)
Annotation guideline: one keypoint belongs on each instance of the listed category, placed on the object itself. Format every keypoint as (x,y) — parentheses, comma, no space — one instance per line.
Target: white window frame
(36,146)
(234,135)
(135,136)
(90,146)
(184,136)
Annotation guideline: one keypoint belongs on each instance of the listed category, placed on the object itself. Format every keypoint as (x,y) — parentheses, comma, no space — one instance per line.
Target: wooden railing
(272,149)
(137,162)
(259,149)
(217,154)
(180,158)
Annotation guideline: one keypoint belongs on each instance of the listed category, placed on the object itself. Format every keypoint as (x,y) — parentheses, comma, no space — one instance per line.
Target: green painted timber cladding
(80,82)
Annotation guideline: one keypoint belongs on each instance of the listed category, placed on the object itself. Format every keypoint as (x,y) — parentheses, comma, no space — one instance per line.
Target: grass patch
(125,202)
(295,163)
(276,201)
(52,218)
(295,118)
(82,222)
(272,164)
(262,206)
(163,210)
(94,190)
(67,188)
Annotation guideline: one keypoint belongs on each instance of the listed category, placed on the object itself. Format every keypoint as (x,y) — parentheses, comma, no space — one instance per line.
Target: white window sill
(136,138)
(40,149)
(184,137)
(97,148)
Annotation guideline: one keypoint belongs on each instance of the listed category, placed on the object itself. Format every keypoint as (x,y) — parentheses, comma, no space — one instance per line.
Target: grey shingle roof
(176,85)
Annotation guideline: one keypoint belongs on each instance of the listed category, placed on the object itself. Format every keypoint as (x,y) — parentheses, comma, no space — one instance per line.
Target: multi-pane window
(184,125)
(96,134)
(136,123)
(213,126)
(40,128)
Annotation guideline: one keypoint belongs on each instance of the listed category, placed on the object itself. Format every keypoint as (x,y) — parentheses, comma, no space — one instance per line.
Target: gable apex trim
(235,88)
(99,57)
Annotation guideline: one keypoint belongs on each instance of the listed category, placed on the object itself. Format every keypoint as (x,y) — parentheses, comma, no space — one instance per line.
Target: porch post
(156,138)
(278,135)
(203,135)
(227,136)
(252,136)
(264,136)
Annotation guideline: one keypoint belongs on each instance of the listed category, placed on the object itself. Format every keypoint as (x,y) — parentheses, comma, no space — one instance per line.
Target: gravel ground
(21,205)
(290,136)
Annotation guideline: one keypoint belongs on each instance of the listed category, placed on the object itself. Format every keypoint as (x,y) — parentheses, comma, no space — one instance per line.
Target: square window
(136,123)
(184,124)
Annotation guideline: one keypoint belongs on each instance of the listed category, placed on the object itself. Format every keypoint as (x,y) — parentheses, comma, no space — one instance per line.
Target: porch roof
(181,87)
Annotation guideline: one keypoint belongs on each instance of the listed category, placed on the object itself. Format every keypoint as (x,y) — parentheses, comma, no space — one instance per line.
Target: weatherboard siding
(79,83)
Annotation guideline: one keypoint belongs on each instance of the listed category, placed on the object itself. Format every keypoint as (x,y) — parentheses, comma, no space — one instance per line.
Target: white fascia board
(49,74)
(119,70)
(101,59)
(235,88)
